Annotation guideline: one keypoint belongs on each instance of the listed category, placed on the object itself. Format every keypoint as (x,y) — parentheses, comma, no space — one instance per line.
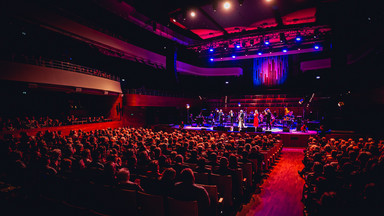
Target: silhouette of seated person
(123,182)
(201,166)
(187,190)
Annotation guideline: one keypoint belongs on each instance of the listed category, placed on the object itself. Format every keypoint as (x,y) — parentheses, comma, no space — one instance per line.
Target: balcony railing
(45,62)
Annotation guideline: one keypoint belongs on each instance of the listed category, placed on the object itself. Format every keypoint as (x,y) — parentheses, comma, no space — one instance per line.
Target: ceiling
(208,23)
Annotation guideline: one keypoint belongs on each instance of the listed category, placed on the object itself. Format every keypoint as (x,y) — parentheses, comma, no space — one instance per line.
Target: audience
(129,158)
(343,177)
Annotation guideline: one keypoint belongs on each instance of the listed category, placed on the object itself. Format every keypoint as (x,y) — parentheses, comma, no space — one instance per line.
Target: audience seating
(185,208)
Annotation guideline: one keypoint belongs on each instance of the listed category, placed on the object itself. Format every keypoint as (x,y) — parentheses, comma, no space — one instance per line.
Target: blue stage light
(238,46)
(316,47)
(266,42)
(211,59)
(298,38)
(284,50)
(210,49)
(233,56)
(259,53)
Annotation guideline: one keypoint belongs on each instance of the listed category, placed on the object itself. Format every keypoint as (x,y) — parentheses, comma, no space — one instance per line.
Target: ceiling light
(227,5)
(193,14)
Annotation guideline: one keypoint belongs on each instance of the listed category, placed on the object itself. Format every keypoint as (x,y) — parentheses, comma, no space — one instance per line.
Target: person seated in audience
(167,182)
(123,182)
(187,190)
(201,168)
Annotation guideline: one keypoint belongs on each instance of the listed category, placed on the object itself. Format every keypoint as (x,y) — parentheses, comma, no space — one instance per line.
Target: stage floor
(275,130)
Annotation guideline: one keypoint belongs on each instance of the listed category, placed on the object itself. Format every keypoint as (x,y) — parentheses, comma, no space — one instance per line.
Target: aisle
(282,190)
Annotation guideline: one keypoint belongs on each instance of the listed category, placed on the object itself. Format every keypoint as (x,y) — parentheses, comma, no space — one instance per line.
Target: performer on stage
(232,117)
(256,119)
(221,117)
(268,118)
(241,120)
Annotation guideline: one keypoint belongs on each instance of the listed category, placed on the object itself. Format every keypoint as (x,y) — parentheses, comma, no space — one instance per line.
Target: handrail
(45,62)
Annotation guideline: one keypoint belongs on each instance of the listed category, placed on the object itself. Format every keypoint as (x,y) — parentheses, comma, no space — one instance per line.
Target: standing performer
(268,118)
(256,119)
(232,117)
(241,120)
(221,117)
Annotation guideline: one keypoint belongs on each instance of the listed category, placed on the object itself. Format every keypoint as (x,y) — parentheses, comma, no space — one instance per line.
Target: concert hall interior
(191,107)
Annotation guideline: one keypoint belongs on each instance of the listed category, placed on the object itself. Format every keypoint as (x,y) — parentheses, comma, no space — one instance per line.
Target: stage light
(252,42)
(188,106)
(24,92)
(301,101)
(233,56)
(340,104)
(174,20)
(298,38)
(227,5)
(316,47)
(123,80)
(239,104)
(193,14)
(226,82)
(211,49)
(284,50)
(211,59)
(317,77)
(266,42)
(238,46)
(282,38)
(259,53)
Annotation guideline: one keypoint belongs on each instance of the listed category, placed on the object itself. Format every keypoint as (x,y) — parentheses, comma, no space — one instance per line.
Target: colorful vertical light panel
(270,71)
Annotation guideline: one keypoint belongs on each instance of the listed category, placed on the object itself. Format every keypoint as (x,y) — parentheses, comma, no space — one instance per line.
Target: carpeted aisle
(282,190)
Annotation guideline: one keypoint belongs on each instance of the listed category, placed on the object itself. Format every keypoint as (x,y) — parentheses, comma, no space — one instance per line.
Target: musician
(221,117)
(256,119)
(232,117)
(241,120)
(268,118)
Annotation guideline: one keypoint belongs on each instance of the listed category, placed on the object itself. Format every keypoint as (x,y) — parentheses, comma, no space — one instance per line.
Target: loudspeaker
(220,128)
(285,129)
(250,129)
(259,129)
(268,132)
(203,129)
(235,128)
(194,125)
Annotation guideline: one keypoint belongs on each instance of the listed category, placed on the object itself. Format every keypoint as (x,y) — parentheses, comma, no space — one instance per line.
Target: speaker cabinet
(250,129)
(220,128)
(259,129)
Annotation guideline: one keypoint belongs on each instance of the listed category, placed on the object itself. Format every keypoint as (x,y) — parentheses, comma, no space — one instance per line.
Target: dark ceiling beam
(213,21)
(278,18)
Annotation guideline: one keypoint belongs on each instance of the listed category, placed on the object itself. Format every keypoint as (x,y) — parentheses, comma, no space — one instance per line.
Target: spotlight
(123,80)
(211,59)
(301,101)
(226,82)
(239,104)
(188,106)
(268,0)
(227,5)
(238,46)
(298,38)
(174,20)
(233,56)
(284,50)
(316,47)
(211,49)
(193,14)
(317,77)
(340,104)
(266,42)
(259,53)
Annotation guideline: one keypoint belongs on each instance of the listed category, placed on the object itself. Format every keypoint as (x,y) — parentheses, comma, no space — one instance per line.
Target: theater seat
(150,204)
(125,202)
(185,208)
(201,178)
(224,187)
